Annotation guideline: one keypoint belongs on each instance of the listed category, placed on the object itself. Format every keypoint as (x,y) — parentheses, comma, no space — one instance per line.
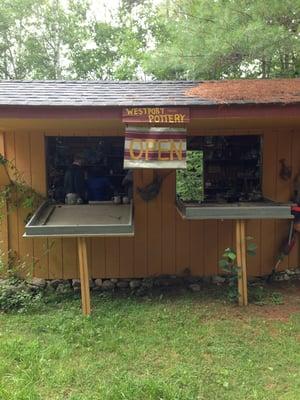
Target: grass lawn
(174,346)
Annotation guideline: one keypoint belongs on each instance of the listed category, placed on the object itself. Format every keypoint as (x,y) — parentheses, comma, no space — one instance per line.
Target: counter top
(241,210)
(101,219)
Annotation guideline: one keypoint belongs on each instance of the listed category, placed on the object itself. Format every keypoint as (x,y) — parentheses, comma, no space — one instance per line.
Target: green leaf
(231,255)
(223,263)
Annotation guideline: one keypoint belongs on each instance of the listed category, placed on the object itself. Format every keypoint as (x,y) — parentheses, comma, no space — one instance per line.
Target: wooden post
(244,262)
(241,262)
(84,276)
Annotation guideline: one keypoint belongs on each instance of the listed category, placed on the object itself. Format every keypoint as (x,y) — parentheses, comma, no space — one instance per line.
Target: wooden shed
(39,119)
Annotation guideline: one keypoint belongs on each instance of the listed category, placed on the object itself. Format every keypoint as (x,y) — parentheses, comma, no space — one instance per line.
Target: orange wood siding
(164,243)
(4,245)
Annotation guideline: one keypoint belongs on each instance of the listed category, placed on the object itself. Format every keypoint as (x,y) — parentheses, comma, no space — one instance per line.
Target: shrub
(15,295)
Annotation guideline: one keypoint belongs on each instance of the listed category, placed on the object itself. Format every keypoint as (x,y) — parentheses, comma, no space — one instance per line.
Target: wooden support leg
(241,262)
(244,262)
(84,276)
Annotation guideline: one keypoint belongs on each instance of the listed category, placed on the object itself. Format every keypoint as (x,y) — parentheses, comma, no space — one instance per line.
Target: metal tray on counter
(101,219)
(244,210)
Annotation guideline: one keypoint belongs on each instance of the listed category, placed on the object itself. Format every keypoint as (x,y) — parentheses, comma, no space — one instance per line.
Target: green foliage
(177,39)
(18,194)
(228,264)
(207,39)
(189,181)
(16,296)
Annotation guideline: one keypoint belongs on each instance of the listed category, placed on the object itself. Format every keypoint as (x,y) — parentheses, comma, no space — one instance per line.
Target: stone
(286,277)
(279,277)
(108,285)
(98,282)
(192,279)
(206,279)
(166,281)
(123,284)
(76,283)
(290,272)
(55,282)
(63,288)
(37,282)
(195,287)
(297,271)
(141,291)
(114,280)
(91,283)
(218,279)
(254,279)
(135,283)
(148,283)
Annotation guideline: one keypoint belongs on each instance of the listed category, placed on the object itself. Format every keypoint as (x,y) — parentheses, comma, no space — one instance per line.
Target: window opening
(102,166)
(222,169)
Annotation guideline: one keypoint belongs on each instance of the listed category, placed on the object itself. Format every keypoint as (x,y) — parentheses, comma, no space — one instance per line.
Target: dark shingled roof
(153,93)
(98,93)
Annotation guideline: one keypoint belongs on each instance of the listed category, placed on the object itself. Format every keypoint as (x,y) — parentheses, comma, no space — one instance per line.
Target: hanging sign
(155,147)
(156,115)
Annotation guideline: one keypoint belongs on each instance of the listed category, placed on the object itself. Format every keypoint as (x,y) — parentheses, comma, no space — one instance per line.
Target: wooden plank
(126,257)
(13,234)
(243,264)
(284,151)
(38,182)
(197,248)
(98,257)
(267,246)
(294,254)
(55,258)
(140,227)
(154,230)
(84,276)
(23,166)
(283,189)
(4,246)
(89,253)
(112,257)
(70,258)
(182,248)
(239,259)
(225,238)
(168,223)
(211,247)
(4,177)
(254,262)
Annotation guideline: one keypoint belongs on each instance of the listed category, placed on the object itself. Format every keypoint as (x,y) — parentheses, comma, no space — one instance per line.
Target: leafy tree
(14,20)
(170,39)
(206,39)
(189,181)
(37,37)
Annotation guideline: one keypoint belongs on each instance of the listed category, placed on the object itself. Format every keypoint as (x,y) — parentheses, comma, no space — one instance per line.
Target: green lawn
(185,347)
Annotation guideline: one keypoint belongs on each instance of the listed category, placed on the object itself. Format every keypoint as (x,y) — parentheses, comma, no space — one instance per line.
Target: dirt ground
(290,303)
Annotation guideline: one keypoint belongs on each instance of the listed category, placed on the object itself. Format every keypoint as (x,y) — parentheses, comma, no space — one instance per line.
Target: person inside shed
(99,186)
(74,183)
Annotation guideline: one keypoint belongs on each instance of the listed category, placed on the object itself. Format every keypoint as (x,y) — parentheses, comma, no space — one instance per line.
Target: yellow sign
(156,115)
